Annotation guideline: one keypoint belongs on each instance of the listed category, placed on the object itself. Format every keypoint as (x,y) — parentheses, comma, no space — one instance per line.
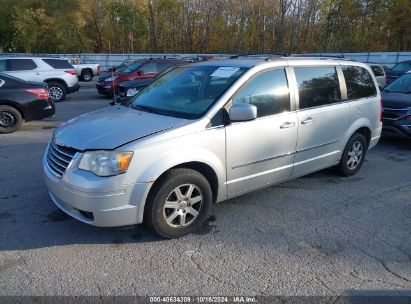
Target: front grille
(59,157)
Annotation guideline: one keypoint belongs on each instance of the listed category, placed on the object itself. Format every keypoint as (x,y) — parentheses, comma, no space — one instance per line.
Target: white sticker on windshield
(224,72)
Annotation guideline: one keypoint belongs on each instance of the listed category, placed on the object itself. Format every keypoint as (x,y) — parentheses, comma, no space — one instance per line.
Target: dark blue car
(398,70)
(396,107)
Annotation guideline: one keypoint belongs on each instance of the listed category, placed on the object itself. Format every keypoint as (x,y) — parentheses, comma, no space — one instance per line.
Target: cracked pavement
(318,235)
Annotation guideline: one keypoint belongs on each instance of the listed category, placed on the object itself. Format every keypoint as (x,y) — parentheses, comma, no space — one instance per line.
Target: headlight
(111,78)
(105,163)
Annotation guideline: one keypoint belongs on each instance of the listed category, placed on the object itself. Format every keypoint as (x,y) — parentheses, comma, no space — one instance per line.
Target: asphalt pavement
(321,234)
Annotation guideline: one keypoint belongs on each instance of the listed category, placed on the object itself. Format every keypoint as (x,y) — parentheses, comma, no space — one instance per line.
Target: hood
(112,127)
(102,77)
(395,100)
(136,83)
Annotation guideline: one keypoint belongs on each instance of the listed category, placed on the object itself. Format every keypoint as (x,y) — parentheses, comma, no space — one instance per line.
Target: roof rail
(305,56)
(259,55)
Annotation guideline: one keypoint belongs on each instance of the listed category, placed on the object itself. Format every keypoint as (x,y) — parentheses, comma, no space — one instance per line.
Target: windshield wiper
(142,108)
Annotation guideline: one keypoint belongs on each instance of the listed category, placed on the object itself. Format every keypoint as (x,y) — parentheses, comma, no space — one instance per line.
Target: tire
(87,75)
(10,119)
(57,91)
(353,155)
(185,213)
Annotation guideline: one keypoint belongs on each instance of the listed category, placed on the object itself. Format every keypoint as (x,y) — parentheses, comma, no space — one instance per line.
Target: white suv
(59,74)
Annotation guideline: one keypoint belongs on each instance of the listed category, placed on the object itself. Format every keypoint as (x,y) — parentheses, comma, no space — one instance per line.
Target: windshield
(187,92)
(130,67)
(402,67)
(401,85)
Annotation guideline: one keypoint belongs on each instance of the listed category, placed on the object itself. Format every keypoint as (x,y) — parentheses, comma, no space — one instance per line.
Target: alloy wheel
(355,155)
(56,93)
(182,205)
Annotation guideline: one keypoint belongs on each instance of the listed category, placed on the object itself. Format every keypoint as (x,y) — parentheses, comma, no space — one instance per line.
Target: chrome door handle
(308,121)
(287,124)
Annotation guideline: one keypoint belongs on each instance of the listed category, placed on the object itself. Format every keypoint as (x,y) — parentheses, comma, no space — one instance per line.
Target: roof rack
(312,56)
(259,55)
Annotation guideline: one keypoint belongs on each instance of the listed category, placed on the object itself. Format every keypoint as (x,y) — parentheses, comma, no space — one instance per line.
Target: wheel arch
(86,69)
(206,170)
(15,105)
(59,80)
(361,126)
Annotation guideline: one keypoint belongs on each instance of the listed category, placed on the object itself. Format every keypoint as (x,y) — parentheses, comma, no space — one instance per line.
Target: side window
(377,70)
(317,86)
(163,65)
(268,91)
(22,65)
(359,81)
(3,65)
(58,63)
(149,68)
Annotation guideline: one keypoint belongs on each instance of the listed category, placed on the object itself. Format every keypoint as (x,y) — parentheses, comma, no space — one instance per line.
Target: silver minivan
(210,131)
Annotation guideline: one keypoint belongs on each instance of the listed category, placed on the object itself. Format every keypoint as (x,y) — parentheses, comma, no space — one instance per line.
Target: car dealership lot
(320,234)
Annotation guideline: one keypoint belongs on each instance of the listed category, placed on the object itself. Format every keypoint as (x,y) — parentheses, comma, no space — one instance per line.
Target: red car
(108,83)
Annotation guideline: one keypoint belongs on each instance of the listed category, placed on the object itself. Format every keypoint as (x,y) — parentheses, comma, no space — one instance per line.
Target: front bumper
(397,122)
(93,200)
(104,90)
(395,128)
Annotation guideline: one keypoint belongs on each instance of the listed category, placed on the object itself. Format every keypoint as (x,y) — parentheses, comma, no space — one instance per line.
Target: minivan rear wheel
(353,155)
(179,203)
(10,119)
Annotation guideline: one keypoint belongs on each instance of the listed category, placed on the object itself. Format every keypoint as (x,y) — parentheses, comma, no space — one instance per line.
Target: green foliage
(215,26)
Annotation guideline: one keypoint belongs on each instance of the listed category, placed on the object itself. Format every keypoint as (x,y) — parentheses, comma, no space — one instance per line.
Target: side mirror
(139,72)
(242,112)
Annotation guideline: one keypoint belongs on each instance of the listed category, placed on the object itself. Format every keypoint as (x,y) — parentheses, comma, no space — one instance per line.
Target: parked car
(107,84)
(208,132)
(22,101)
(59,74)
(85,71)
(396,103)
(128,89)
(397,70)
(379,74)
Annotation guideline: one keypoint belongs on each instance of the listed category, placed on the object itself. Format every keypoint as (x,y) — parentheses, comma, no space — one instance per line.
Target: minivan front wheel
(179,204)
(353,155)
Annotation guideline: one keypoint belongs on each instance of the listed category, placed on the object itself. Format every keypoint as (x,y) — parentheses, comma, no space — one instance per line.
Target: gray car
(211,131)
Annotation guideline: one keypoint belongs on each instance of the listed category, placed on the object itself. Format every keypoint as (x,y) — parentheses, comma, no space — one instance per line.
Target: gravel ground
(318,235)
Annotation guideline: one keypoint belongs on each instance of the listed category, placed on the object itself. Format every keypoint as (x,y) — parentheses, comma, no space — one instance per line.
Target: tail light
(71,72)
(98,69)
(40,93)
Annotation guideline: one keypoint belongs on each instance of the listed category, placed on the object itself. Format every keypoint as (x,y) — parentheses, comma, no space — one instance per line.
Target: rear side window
(377,70)
(21,65)
(58,63)
(149,68)
(317,86)
(268,91)
(164,65)
(359,81)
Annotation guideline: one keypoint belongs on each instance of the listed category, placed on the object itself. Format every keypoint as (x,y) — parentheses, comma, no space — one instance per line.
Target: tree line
(204,26)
